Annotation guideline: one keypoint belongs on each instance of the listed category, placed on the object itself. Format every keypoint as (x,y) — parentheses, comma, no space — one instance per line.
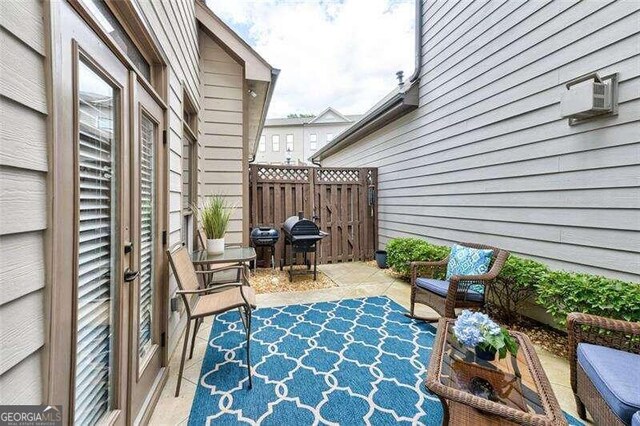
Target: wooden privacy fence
(342,201)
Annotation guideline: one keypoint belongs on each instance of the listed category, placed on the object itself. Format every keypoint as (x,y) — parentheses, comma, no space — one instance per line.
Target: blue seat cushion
(442,287)
(635,420)
(616,375)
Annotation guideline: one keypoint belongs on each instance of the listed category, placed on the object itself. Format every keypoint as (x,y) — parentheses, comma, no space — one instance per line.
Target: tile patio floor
(353,280)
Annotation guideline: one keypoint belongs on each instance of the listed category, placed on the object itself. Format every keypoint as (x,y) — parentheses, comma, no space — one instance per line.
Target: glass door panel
(147,224)
(148,134)
(97,244)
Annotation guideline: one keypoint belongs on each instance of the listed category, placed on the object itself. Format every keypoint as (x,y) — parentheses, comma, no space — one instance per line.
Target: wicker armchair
(445,297)
(605,333)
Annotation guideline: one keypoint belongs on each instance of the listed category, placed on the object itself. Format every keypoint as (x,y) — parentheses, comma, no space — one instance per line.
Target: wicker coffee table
(521,392)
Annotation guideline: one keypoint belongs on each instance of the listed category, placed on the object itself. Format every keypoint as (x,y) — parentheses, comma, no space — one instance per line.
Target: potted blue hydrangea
(477,330)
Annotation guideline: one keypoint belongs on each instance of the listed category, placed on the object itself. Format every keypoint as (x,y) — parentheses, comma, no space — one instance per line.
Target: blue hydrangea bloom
(471,328)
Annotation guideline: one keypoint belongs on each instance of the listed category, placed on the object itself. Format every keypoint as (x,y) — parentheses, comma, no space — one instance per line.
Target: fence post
(374,228)
(363,212)
(253,195)
(311,200)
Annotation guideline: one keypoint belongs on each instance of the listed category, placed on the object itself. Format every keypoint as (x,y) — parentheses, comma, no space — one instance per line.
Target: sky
(339,53)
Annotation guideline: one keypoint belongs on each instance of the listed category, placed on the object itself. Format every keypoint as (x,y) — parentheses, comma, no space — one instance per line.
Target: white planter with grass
(215,216)
(215,246)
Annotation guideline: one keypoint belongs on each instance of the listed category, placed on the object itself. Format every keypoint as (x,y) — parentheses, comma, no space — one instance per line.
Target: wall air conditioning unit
(590,96)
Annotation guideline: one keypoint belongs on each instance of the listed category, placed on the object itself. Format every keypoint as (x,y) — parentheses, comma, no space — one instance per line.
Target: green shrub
(564,292)
(559,292)
(516,284)
(402,251)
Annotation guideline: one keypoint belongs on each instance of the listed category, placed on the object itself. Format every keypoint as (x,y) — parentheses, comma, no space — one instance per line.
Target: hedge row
(559,292)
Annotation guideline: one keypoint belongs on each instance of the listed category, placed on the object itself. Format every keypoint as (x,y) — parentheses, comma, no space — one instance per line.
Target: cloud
(331,53)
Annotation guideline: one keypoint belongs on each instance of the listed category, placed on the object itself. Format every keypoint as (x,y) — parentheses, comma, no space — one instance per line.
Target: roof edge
(267,102)
(389,110)
(202,8)
(393,108)
(336,112)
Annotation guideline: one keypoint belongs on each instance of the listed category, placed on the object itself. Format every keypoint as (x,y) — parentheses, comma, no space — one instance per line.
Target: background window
(275,143)
(188,190)
(329,137)
(289,142)
(263,143)
(189,169)
(187,159)
(313,139)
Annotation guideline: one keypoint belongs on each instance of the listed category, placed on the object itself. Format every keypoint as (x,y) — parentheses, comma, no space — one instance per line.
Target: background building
(294,140)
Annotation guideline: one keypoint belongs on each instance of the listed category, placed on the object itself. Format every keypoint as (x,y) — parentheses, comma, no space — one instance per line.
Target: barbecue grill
(301,236)
(264,236)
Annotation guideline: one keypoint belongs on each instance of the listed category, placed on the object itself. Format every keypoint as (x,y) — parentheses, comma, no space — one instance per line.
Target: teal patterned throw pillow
(469,261)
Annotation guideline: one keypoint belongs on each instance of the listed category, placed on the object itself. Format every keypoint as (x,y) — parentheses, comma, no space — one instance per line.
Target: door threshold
(152,398)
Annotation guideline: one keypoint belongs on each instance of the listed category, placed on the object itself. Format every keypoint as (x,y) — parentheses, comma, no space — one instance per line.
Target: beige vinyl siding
(224,156)
(174,25)
(23,201)
(487,157)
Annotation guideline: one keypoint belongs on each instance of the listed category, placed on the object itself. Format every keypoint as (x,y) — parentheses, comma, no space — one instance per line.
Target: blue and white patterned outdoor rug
(350,362)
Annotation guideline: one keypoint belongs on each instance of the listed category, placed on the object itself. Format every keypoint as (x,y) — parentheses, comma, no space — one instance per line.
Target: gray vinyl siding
(23,200)
(224,154)
(487,157)
(174,25)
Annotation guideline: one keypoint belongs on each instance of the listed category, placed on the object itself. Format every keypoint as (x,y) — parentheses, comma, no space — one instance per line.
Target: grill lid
(264,235)
(299,226)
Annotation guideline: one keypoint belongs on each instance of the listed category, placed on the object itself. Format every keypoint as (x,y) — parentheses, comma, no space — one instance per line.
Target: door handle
(130,275)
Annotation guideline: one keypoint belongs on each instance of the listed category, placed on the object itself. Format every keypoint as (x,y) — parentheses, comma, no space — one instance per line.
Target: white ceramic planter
(215,246)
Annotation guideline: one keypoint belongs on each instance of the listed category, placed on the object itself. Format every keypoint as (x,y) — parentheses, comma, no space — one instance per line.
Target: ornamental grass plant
(215,216)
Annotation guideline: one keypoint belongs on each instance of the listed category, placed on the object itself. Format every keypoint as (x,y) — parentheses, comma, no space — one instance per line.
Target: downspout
(418,55)
(418,24)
